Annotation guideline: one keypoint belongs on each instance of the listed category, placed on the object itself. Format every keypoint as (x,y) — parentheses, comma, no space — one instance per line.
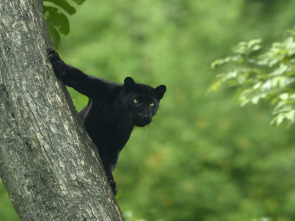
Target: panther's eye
(152,104)
(135,101)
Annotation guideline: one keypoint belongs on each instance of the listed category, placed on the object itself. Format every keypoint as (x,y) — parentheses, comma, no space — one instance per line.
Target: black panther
(112,111)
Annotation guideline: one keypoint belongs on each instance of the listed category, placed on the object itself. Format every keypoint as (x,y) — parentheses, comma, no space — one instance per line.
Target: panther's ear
(129,83)
(160,91)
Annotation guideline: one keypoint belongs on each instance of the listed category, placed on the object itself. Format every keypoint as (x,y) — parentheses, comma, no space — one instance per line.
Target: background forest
(203,158)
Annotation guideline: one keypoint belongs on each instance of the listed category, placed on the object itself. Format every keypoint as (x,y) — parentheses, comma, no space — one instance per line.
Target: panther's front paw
(52,55)
(58,65)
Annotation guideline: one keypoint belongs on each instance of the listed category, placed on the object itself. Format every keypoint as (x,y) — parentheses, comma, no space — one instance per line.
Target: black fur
(112,111)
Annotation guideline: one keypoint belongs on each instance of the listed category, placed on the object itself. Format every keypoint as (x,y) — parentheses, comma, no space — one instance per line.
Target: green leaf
(217,62)
(58,20)
(284,96)
(280,70)
(54,35)
(278,119)
(243,102)
(254,45)
(64,5)
(221,61)
(290,115)
(241,48)
(290,43)
(215,85)
(79,2)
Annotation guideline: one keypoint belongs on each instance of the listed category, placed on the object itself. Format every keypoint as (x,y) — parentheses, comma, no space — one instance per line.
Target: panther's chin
(142,122)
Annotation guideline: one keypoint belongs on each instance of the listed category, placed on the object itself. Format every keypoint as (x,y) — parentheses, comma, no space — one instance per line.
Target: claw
(49,50)
(52,54)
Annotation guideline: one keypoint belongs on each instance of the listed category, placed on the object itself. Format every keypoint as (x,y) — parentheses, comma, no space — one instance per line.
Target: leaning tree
(48,164)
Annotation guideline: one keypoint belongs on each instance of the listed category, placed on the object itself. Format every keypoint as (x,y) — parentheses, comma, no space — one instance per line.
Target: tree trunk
(48,164)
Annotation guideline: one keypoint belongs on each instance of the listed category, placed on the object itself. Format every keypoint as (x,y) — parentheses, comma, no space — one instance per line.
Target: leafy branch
(55,16)
(258,75)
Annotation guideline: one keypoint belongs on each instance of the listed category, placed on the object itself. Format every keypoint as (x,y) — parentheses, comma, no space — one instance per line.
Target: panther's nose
(143,116)
(142,119)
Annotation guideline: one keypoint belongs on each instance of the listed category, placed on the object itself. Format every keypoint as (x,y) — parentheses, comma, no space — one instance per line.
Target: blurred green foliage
(259,75)
(203,158)
(6,210)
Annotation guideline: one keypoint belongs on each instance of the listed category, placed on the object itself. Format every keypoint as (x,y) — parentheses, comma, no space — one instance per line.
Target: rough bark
(48,164)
